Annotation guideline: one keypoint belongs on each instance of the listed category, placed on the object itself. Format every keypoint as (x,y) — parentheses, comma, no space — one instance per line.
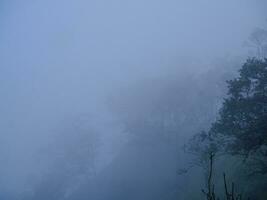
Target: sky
(61,59)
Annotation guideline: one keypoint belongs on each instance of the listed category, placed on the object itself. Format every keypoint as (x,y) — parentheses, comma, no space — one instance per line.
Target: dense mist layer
(98,97)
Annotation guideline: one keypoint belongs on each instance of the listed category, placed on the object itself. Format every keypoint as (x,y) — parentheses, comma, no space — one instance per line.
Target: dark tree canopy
(243,116)
(241,127)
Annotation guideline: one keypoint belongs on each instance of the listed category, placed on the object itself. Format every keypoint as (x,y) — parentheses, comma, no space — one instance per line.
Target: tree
(239,130)
(207,149)
(242,119)
(258,41)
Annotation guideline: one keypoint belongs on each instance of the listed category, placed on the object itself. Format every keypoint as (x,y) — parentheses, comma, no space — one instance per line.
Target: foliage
(243,116)
(242,123)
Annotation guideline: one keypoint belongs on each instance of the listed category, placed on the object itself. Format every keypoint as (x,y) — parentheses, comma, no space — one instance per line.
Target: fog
(78,79)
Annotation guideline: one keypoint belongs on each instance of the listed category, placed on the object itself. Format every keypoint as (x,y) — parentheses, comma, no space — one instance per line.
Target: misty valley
(133,100)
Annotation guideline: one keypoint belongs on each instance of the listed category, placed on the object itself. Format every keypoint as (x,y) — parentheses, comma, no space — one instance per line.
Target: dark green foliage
(241,128)
(243,116)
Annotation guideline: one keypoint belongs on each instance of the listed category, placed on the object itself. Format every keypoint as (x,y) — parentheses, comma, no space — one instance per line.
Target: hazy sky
(61,58)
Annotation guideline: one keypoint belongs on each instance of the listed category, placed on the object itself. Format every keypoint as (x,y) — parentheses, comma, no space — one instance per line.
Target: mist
(82,82)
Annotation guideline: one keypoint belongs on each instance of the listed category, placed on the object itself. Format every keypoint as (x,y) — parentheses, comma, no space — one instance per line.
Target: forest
(133,100)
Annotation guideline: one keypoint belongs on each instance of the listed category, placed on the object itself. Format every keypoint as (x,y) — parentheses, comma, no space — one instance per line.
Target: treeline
(239,133)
